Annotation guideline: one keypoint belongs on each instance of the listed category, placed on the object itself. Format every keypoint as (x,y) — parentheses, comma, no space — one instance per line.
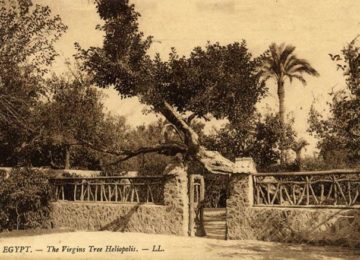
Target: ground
(174,247)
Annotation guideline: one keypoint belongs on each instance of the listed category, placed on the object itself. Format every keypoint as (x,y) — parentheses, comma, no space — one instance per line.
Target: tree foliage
(259,139)
(134,138)
(339,134)
(217,80)
(24,199)
(27,36)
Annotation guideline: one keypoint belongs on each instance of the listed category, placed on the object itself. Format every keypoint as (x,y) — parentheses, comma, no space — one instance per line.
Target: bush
(24,199)
(286,167)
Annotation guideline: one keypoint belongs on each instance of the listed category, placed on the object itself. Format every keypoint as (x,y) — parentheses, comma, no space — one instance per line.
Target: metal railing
(336,188)
(122,189)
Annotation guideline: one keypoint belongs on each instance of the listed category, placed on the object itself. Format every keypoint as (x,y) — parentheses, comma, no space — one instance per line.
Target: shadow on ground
(263,250)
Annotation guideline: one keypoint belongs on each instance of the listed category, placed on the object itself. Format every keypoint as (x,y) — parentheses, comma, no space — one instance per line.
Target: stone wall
(112,216)
(170,218)
(310,225)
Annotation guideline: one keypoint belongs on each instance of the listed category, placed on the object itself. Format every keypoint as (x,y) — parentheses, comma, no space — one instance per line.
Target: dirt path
(140,246)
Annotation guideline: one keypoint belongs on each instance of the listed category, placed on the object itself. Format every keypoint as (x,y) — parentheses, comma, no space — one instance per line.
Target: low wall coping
(302,207)
(244,165)
(99,203)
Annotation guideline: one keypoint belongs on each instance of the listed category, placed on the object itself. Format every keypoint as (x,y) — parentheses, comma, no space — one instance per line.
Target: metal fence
(111,189)
(336,188)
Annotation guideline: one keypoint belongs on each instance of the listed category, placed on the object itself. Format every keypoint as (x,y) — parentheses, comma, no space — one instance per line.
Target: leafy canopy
(340,133)
(27,36)
(281,63)
(216,79)
(258,138)
(24,199)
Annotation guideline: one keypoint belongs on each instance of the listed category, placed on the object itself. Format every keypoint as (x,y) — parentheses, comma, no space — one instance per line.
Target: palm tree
(280,63)
(297,147)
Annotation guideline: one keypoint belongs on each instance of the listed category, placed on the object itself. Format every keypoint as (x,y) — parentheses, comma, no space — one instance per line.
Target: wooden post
(307,191)
(294,195)
(82,191)
(88,191)
(322,193)
(57,192)
(191,206)
(335,191)
(75,187)
(202,198)
(349,192)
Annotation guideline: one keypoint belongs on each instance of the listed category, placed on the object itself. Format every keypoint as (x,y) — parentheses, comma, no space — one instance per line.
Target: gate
(196,197)
(207,214)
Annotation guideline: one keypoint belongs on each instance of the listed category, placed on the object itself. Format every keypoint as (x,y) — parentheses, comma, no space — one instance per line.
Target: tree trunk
(298,159)
(281,95)
(213,161)
(298,155)
(67,157)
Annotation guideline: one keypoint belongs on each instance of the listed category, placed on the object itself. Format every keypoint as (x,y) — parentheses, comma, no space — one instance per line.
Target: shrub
(24,199)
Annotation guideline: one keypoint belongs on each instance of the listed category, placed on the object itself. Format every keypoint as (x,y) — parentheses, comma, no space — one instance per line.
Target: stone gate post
(176,197)
(240,198)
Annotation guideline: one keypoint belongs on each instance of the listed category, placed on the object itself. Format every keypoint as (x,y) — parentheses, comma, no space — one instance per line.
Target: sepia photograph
(188,129)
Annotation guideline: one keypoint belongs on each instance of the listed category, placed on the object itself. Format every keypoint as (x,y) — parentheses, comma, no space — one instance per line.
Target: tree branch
(167,148)
(190,118)
(191,137)
(164,134)
(170,149)
(96,148)
(213,161)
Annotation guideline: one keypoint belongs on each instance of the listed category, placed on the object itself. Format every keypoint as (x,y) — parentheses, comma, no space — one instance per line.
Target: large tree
(281,63)
(27,36)
(339,133)
(216,80)
(74,113)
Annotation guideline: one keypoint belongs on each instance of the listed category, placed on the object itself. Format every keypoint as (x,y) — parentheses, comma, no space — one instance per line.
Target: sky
(316,28)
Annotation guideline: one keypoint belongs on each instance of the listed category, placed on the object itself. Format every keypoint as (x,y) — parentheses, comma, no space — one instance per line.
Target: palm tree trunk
(281,95)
